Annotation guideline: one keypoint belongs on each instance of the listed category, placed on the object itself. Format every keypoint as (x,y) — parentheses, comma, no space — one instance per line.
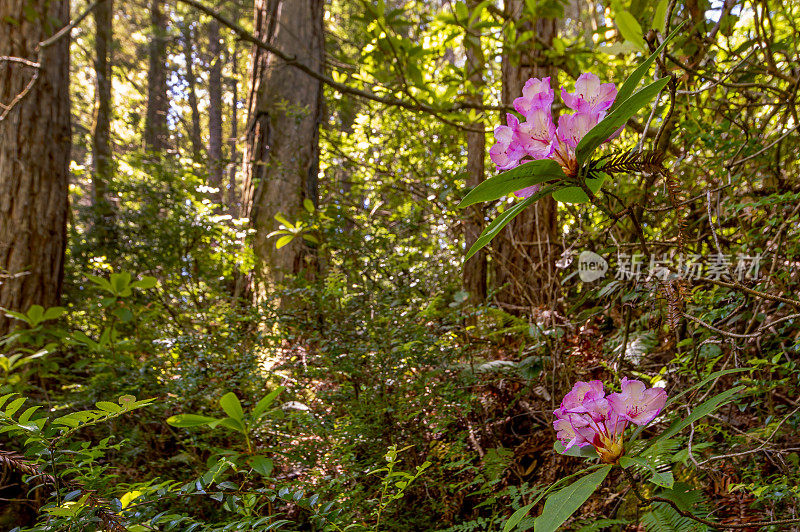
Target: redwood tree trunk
(474,278)
(34,156)
(233,140)
(195,135)
(156,133)
(525,252)
(282,149)
(215,168)
(102,156)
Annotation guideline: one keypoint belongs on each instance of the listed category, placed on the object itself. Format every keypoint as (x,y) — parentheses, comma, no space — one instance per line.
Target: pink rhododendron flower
(537,134)
(637,404)
(590,95)
(582,391)
(536,94)
(537,137)
(588,417)
(507,152)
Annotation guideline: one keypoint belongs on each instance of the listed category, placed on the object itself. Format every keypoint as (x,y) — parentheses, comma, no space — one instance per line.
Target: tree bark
(525,251)
(156,133)
(195,135)
(282,149)
(232,198)
(475,270)
(215,163)
(102,155)
(34,156)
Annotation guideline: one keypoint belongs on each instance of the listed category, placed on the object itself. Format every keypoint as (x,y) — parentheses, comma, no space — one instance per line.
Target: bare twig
(246,36)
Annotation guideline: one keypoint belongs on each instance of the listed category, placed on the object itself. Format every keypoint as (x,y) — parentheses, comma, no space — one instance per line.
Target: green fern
(663,517)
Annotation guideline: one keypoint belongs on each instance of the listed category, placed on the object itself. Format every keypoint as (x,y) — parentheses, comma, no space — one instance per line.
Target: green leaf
(124,314)
(231,405)
(576,194)
(53,313)
(282,220)
(17,315)
(27,415)
(562,504)
(503,184)
(190,420)
(145,283)
(109,407)
(665,480)
(660,16)
(102,283)
(581,452)
(284,240)
(636,76)
(713,376)
(616,119)
(462,12)
(35,315)
(501,221)
(266,401)
(261,464)
(630,28)
(517,516)
(120,283)
(308,205)
(701,411)
(230,423)
(14,405)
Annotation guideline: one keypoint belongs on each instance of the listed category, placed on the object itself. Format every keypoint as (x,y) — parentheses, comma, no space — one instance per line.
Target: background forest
(234,286)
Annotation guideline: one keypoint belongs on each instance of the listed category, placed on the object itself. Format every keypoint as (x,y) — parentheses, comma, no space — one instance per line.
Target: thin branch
(37,66)
(343,88)
(68,28)
(26,62)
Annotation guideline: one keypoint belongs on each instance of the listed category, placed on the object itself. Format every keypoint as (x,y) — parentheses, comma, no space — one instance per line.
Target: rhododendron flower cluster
(537,137)
(588,416)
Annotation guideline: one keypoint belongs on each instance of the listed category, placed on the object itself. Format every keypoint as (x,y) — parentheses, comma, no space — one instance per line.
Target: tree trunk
(215,163)
(34,156)
(233,200)
(525,251)
(282,158)
(474,277)
(191,81)
(156,133)
(102,156)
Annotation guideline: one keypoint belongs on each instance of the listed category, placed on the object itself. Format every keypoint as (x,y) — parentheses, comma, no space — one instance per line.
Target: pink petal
(535,94)
(527,192)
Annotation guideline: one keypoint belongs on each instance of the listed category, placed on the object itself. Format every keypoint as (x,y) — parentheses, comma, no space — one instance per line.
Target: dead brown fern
(16,462)
(630,162)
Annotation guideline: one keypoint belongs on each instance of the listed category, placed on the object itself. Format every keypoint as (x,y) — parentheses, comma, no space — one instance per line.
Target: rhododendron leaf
(617,118)
(562,504)
(636,76)
(701,411)
(576,194)
(587,451)
(517,516)
(503,184)
(501,221)
(713,376)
